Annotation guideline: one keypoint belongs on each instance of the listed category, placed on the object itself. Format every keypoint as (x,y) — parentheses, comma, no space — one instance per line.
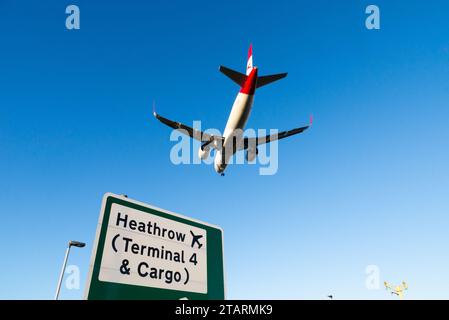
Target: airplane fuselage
(238,117)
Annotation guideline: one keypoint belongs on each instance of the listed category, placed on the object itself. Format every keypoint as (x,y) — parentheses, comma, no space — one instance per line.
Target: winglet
(154,109)
(311,120)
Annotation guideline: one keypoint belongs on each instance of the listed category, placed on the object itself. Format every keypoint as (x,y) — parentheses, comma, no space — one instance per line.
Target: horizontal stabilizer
(264,80)
(235,76)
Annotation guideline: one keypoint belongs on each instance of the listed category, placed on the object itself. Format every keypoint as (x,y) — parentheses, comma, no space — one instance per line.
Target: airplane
(232,140)
(397,290)
(195,239)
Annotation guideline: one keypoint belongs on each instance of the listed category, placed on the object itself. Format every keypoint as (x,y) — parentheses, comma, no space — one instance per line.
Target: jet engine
(251,154)
(203,152)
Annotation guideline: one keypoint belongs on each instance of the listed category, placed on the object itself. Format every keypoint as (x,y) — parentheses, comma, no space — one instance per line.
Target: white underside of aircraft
(233,139)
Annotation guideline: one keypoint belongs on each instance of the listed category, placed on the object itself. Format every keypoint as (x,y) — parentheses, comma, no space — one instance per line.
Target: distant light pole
(74,244)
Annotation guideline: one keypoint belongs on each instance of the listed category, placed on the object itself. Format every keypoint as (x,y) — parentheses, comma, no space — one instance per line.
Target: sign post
(143,252)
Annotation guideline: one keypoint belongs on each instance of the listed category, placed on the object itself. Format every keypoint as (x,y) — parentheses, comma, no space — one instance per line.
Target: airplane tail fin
(236,76)
(240,78)
(249,64)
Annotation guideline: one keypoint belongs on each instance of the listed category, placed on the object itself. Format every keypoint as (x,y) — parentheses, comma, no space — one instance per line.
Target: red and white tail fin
(249,65)
(240,78)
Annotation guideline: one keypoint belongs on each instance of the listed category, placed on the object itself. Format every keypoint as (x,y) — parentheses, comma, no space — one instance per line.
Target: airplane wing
(269,138)
(193,133)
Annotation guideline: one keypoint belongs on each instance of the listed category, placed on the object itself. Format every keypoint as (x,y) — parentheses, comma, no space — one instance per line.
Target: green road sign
(143,252)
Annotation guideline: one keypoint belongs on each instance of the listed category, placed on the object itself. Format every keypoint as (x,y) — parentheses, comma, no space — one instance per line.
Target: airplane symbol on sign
(195,239)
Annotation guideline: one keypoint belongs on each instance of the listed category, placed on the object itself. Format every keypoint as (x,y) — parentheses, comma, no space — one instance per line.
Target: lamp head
(77,244)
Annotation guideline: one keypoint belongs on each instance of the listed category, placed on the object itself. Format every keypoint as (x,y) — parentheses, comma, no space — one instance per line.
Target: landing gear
(222,174)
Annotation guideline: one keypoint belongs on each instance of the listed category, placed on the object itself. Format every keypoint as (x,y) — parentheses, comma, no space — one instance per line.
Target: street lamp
(71,244)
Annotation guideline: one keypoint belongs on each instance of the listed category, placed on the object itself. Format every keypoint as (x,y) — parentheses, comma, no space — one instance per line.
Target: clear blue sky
(368,184)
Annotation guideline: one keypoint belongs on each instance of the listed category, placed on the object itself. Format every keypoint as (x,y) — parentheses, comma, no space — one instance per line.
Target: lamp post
(74,244)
